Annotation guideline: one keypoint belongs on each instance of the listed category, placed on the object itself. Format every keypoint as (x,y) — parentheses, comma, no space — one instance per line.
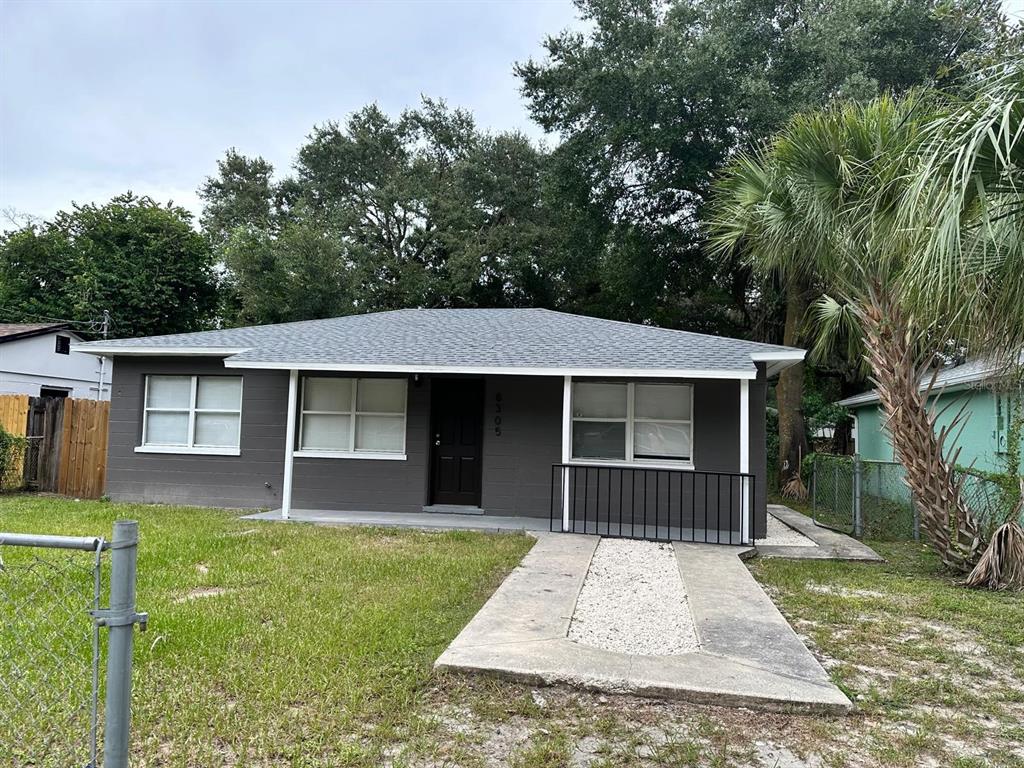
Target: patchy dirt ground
(936,671)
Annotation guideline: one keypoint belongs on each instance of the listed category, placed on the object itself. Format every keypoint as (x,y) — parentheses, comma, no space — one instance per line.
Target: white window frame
(353,413)
(193,412)
(630,422)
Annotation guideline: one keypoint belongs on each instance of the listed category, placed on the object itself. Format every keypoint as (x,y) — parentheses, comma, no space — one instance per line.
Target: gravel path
(633,601)
(781,535)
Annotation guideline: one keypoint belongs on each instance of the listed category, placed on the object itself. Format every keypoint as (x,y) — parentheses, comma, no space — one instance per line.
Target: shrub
(12,458)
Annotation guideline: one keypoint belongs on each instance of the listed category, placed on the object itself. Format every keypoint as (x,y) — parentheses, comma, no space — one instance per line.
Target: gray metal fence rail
(51,591)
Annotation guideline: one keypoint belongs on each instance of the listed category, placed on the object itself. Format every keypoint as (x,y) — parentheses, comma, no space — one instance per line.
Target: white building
(36,360)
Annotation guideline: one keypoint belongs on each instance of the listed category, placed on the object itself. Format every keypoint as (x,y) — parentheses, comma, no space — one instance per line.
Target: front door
(456,440)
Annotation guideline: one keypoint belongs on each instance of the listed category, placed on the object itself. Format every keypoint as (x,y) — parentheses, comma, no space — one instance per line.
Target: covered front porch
(652,457)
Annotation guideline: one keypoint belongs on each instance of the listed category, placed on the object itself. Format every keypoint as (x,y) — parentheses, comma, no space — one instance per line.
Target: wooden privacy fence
(67,442)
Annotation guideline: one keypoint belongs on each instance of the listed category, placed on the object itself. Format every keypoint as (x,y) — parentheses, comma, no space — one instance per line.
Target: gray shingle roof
(476,339)
(977,371)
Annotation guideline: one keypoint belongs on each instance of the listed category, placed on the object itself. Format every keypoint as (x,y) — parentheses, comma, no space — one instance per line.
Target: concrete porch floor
(749,655)
(476,521)
(422,520)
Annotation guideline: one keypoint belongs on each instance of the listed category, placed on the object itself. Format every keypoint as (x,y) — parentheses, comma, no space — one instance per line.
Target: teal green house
(988,410)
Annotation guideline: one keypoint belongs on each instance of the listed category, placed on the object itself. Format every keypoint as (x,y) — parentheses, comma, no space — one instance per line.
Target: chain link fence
(51,591)
(869,499)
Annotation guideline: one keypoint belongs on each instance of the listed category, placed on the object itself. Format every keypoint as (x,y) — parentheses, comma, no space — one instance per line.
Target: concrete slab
(749,656)
(424,521)
(832,545)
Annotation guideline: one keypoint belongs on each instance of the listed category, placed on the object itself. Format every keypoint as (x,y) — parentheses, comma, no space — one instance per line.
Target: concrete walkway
(749,655)
(832,545)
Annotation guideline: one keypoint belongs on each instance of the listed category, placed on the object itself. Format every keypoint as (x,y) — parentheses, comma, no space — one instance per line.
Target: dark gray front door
(456,440)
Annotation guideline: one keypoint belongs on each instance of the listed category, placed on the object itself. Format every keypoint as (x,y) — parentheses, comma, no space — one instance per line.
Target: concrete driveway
(747,655)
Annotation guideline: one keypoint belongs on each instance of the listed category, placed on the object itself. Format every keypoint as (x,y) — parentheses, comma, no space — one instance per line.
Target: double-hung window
(632,422)
(353,417)
(197,414)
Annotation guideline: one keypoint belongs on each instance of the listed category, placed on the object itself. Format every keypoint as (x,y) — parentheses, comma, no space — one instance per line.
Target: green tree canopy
(654,98)
(423,209)
(140,260)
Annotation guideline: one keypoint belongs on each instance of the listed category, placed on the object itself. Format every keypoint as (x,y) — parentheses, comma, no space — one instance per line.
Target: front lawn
(287,645)
(281,644)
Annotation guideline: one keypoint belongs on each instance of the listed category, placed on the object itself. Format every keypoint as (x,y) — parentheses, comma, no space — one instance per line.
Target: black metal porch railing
(652,503)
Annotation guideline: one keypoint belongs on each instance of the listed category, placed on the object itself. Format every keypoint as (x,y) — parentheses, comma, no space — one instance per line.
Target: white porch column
(745,458)
(566,447)
(289,443)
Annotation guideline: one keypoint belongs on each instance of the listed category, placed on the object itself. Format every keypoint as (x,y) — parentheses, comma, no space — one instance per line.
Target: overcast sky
(100,97)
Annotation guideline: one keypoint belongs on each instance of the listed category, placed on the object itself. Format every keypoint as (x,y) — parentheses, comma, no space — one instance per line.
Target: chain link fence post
(120,618)
(814,488)
(858,519)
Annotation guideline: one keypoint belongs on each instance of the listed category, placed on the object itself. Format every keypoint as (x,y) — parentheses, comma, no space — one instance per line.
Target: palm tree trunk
(945,518)
(789,392)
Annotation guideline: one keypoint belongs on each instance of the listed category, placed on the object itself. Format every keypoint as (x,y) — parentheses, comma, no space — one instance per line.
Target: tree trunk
(945,517)
(789,392)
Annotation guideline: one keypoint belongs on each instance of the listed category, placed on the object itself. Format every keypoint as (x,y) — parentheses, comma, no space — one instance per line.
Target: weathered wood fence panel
(83,454)
(67,450)
(45,423)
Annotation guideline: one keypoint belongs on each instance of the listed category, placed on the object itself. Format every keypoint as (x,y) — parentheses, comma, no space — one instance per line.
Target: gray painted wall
(228,481)
(516,465)
(371,485)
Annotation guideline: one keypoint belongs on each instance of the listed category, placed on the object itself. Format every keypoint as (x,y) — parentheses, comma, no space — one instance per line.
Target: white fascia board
(111,350)
(778,361)
(658,373)
(791,355)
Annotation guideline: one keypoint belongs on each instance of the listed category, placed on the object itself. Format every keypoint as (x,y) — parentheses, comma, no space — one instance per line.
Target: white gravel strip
(781,535)
(633,601)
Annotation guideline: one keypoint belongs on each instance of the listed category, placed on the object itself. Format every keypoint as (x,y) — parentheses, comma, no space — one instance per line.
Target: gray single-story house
(594,424)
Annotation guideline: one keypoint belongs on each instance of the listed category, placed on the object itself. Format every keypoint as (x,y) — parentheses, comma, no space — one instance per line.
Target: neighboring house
(471,410)
(987,410)
(37,360)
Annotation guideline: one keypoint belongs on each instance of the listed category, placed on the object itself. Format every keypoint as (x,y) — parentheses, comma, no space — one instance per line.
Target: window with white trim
(632,422)
(192,412)
(353,416)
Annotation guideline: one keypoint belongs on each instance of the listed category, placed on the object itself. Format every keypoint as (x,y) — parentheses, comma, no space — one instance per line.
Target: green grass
(317,649)
(313,646)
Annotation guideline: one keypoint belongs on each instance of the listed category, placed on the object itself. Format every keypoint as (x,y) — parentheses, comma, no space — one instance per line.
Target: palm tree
(969,197)
(851,176)
(754,212)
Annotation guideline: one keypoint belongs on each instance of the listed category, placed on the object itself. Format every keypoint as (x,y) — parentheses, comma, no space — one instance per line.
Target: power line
(102,323)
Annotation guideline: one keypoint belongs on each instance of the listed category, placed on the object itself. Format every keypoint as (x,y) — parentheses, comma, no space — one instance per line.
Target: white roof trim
(950,381)
(659,373)
(97,348)
(794,356)
(778,361)
(871,396)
